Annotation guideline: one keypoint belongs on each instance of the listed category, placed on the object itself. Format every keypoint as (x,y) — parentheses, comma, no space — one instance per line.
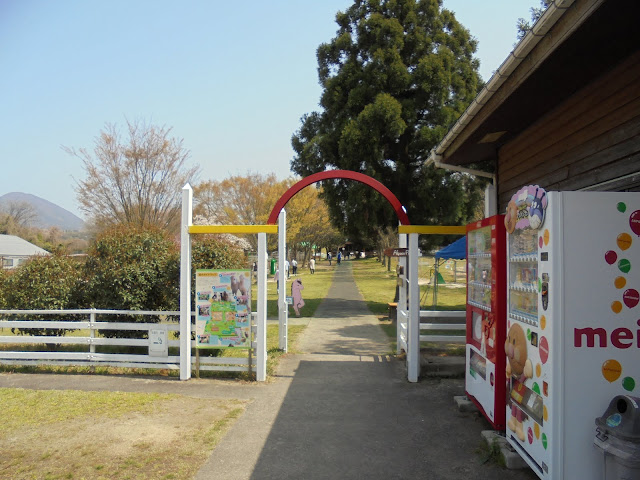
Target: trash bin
(618,437)
(273,266)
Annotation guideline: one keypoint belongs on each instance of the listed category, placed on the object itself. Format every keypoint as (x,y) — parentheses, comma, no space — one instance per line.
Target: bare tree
(16,217)
(136,180)
(22,213)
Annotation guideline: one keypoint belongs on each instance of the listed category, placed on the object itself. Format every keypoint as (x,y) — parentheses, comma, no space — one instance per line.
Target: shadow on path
(349,412)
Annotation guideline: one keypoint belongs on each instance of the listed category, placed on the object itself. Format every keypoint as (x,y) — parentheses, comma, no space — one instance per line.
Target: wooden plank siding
(592,137)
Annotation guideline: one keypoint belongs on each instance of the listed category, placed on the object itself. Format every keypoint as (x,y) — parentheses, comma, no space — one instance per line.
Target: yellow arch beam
(420,229)
(194,229)
(433,229)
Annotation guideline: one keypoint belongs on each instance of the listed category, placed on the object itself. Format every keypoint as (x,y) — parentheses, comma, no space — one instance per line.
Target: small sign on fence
(396,252)
(158,342)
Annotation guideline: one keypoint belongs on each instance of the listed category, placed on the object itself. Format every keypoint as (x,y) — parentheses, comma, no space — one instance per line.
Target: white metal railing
(448,316)
(434,315)
(89,326)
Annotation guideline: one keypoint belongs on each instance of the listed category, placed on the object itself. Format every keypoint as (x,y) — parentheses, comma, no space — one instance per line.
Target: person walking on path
(312,266)
(329,257)
(294,266)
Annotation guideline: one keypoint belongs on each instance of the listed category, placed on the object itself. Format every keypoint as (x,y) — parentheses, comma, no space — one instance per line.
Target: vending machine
(486,306)
(573,328)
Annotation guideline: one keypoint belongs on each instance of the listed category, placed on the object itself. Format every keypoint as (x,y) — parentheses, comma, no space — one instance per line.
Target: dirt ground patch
(169,438)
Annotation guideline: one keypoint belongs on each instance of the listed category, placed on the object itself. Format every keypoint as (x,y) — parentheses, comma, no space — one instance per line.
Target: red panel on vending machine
(486,322)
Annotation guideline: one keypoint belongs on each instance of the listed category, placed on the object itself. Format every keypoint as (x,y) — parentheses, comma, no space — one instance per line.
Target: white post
(185,283)
(261,337)
(490,200)
(413,327)
(283,308)
(92,331)
(402,293)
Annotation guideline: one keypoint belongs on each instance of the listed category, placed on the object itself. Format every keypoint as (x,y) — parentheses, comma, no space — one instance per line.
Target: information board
(223,308)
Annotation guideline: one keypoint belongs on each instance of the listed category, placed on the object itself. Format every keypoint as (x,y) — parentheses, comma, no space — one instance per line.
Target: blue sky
(232,79)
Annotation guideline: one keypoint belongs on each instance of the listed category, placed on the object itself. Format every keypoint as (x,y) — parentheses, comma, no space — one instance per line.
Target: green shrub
(43,283)
(3,288)
(209,252)
(132,268)
(127,268)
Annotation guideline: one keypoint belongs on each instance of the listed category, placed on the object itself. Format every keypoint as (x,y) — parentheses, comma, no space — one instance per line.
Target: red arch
(348,174)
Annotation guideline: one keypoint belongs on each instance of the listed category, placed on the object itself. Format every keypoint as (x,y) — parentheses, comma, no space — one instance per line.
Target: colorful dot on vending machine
(624,265)
(544,350)
(629,384)
(620,282)
(544,441)
(616,306)
(624,241)
(536,430)
(611,370)
(631,298)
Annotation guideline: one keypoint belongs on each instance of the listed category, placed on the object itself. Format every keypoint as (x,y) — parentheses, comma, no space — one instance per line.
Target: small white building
(15,250)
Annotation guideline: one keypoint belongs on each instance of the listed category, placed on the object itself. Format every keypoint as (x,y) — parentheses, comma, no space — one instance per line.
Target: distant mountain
(47,214)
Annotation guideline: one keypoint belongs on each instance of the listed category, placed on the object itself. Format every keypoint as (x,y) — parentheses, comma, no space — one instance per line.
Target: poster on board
(223,308)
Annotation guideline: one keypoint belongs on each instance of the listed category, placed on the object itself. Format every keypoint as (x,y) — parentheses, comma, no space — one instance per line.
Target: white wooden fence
(409,316)
(86,325)
(440,320)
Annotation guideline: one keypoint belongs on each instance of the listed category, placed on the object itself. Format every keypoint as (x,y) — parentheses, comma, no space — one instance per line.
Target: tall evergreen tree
(395,77)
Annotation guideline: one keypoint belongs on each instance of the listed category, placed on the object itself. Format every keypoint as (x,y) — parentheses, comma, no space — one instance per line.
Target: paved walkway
(341,410)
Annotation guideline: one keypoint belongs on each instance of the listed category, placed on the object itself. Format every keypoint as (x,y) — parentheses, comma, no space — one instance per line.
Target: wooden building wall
(591,138)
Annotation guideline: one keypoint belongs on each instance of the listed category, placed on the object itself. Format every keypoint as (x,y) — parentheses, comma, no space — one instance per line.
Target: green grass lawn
(141,435)
(377,285)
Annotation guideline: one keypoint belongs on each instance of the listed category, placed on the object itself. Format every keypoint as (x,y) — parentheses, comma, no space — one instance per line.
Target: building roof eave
(557,57)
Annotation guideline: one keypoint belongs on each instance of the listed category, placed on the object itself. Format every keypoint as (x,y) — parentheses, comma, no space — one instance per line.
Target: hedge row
(126,268)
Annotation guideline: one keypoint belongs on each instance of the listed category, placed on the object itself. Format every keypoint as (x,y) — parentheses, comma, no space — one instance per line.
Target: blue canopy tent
(454,251)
